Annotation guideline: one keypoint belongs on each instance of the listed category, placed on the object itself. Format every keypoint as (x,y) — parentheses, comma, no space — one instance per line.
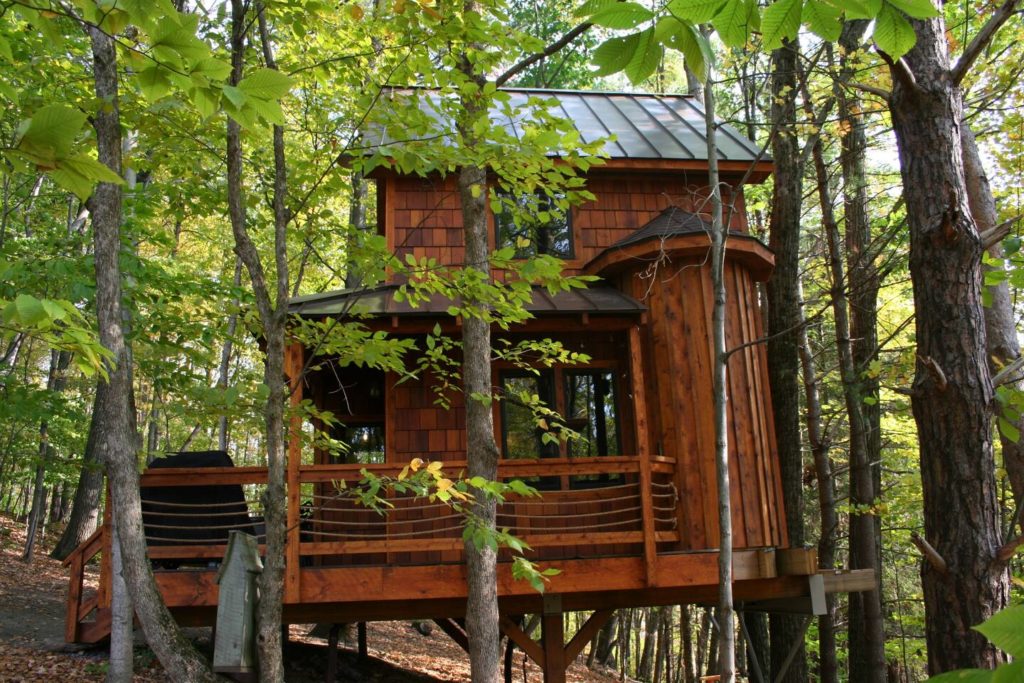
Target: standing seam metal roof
(645,126)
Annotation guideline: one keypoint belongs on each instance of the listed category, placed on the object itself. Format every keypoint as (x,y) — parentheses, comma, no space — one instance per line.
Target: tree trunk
(85,509)
(870,639)
(719,232)
(952,391)
(606,641)
(784,319)
(273,317)
(55,383)
(122,622)
(828,663)
(116,444)
(1002,345)
(688,667)
(652,623)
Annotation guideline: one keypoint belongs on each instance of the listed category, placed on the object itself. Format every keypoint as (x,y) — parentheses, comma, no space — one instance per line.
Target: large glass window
(533,224)
(587,402)
(592,411)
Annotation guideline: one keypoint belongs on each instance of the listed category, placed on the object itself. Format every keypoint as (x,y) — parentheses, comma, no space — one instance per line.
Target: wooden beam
(454,632)
(523,640)
(796,561)
(552,626)
(639,390)
(586,633)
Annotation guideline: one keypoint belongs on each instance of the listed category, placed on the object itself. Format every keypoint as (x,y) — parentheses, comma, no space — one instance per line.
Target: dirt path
(32,647)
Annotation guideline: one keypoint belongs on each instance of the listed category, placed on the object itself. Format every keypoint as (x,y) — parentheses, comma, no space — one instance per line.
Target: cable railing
(598,510)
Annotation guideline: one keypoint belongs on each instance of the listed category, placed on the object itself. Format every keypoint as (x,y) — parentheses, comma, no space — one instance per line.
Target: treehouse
(628,511)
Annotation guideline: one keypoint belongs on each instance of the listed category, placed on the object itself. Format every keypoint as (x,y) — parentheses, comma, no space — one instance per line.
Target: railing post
(636,373)
(293,370)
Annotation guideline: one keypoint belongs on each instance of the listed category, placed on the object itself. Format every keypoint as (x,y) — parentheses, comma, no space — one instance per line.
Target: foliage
(675,26)
(424,479)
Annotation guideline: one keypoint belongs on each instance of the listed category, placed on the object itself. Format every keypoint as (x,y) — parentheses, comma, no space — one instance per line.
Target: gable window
(536,225)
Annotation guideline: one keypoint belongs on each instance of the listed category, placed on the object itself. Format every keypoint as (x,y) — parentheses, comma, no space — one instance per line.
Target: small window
(364,443)
(536,225)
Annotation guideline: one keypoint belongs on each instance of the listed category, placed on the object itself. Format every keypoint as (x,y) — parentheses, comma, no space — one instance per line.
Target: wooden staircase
(87,619)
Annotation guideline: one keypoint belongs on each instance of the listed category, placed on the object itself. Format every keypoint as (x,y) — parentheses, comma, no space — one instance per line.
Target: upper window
(533,224)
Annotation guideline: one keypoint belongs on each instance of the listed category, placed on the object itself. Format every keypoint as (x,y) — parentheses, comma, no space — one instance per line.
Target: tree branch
(936,372)
(1004,554)
(930,554)
(1004,375)
(900,70)
(996,234)
(873,90)
(551,49)
(982,40)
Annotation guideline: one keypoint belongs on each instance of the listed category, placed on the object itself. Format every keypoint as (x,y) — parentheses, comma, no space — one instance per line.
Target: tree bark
(116,443)
(871,637)
(952,391)
(827,662)
(719,233)
(1002,345)
(55,383)
(85,509)
(784,319)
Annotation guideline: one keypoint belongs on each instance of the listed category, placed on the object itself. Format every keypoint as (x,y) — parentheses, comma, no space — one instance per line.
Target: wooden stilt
(554,648)
(332,653)
(552,640)
(361,636)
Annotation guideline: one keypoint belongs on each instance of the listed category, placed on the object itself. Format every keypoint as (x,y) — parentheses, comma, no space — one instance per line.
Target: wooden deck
(614,546)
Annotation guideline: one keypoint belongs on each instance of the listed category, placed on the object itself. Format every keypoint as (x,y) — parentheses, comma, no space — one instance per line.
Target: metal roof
(670,222)
(380,301)
(642,126)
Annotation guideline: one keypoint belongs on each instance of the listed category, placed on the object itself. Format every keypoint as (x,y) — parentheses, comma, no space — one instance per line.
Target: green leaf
(918,9)
(92,170)
(857,9)
(614,54)
(646,57)
(235,96)
(621,15)
(269,110)
(52,130)
(592,7)
(893,33)
(696,11)
(735,22)
(823,19)
(1005,630)
(153,82)
(266,84)
(781,20)
(30,310)
(1010,431)
(5,50)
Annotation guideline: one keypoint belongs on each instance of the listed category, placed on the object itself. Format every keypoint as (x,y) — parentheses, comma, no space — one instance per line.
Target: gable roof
(644,126)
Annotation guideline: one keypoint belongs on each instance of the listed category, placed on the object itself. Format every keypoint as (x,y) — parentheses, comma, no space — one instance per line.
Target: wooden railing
(614,506)
(334,528)
(87,619)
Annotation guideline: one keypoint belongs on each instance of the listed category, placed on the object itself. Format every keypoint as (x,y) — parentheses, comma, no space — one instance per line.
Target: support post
(361,639)
(638,386)
(552,640)
(293,371)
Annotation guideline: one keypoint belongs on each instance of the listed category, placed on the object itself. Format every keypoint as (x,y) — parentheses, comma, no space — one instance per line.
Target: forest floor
(32,647)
